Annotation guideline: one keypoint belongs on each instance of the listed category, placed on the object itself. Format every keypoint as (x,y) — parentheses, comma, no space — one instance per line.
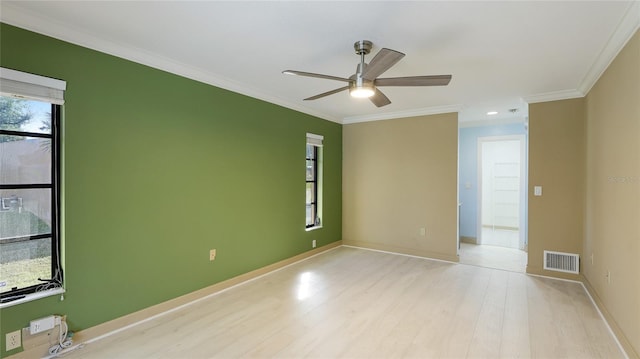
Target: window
(29,184)
(314,181)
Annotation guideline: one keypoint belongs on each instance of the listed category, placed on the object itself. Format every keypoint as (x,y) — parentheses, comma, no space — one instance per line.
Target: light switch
(537,191)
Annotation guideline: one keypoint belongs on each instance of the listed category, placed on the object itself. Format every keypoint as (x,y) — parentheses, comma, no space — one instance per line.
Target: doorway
(497,237)
(501,191)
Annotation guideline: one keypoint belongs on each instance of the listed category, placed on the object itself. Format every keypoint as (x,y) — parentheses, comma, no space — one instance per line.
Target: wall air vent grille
(562,262)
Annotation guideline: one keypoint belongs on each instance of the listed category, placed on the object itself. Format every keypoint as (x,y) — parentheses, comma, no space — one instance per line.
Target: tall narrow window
(29,184)
(314,181)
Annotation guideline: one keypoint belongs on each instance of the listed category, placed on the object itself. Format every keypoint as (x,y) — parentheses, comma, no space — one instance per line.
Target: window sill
(33,296)
(312,228)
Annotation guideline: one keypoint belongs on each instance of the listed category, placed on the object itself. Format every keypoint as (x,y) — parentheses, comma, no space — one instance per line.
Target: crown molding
(45,26)
(401,114)
(624,31)
(553,96)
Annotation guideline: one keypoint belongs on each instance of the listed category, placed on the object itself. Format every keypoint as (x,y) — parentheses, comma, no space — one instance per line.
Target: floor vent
(562,262)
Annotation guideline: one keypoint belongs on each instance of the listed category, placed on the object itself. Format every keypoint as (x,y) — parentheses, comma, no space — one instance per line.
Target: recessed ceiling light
(491,113)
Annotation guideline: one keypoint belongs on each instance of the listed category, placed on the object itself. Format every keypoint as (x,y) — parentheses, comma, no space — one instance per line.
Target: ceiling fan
(365,82)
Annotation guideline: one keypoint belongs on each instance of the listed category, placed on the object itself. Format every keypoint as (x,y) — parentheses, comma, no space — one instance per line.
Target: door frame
(523,186)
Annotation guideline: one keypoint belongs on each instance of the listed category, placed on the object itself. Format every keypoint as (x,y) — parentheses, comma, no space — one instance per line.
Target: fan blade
(380,63)
(326,93)
(437,80)
(311,74)
(379,99)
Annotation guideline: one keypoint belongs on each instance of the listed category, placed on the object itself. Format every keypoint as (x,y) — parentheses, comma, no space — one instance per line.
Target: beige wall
(399,176)
(556,162)
(612,231)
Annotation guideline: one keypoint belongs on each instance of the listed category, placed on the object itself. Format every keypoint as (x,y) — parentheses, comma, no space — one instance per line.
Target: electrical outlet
(423,231)
(591,258)
(313,243)
(42,324)
(608,277)
(14,340)
(212,254)
(537,191)
(44,338)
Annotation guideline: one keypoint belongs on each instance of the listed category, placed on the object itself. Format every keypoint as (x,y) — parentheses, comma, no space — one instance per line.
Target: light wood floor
(495,257)
(355,303)
(500,237)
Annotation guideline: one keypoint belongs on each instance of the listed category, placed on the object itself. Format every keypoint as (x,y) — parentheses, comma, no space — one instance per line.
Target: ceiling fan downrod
(362,47)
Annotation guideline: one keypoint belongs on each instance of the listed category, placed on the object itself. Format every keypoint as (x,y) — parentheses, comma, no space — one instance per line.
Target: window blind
(315,140)
(24,85)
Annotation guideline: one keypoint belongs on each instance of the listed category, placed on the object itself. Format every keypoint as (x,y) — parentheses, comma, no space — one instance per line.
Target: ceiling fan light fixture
(361,88)
(361,92)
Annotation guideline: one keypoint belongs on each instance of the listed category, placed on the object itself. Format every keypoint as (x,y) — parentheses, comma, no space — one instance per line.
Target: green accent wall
(158,169)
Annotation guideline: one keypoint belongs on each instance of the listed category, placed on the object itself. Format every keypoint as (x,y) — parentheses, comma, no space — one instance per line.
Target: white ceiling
(502,55)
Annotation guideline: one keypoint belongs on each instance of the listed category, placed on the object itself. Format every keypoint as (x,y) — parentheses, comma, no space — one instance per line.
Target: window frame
(316,144)
(27,86)
(314,183)
(54,186)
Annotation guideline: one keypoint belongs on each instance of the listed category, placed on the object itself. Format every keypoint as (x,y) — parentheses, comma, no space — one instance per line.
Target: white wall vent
(562,262)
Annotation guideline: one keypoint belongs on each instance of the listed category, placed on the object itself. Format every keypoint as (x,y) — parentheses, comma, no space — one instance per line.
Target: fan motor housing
(363,47)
